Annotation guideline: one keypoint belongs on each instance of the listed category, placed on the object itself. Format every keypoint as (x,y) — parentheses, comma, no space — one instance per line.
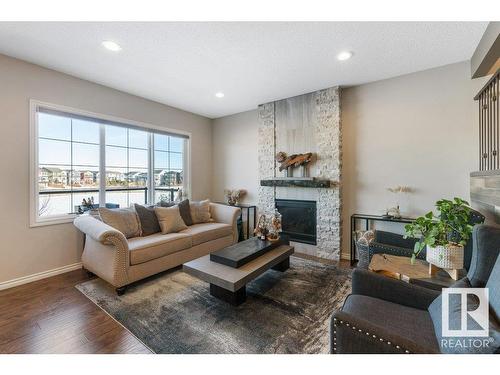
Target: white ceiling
(185,64)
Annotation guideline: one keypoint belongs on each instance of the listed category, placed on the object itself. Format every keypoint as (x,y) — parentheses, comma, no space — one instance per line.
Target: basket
(447,257)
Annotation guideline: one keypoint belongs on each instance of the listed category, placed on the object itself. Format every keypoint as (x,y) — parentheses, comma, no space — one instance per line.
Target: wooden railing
(489,132)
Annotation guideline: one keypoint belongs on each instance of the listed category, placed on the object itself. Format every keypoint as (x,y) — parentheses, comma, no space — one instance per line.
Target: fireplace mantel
(303,182)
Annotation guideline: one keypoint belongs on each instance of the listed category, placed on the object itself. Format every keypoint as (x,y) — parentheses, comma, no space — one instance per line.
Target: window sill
(54,221)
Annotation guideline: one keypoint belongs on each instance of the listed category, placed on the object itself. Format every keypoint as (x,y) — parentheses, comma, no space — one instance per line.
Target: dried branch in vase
(233,196)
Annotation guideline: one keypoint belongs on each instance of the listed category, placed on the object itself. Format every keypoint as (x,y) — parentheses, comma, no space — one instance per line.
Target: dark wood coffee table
(229,283)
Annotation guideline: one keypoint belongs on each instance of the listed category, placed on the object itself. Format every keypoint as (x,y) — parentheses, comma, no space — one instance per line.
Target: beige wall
(235,164)
(23,250)
(417,130)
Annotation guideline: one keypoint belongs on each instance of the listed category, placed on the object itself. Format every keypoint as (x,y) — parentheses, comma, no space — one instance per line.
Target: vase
(447,257)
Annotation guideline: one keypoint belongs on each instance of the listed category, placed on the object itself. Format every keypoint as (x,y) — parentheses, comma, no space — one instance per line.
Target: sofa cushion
(413,324)
(207,232)
(148,219)
(184,209)
(170,219)
(200,211)
(124,220)
(144,249)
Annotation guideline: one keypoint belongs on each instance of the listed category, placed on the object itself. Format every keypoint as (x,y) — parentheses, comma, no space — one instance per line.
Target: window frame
(35,219)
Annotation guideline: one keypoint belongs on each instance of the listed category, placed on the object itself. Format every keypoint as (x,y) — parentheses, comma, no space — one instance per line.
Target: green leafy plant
(450,226)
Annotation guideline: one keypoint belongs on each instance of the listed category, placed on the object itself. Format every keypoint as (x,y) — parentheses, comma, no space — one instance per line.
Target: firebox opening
(298,219)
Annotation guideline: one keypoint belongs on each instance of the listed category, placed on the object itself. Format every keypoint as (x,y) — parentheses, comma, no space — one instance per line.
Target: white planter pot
(447,257)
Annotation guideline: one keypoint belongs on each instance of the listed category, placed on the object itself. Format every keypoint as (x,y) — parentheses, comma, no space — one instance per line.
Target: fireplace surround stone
(306,123)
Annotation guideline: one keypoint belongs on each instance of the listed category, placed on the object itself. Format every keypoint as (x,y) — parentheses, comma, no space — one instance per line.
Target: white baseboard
(38,276)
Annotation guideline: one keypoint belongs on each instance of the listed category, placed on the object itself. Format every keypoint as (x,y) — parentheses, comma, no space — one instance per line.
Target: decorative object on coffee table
(444,235)
(269,226)
(233,196)
(274,226)
(261,229)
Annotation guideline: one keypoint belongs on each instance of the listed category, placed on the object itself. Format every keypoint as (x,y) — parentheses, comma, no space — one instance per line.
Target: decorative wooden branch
(295,160)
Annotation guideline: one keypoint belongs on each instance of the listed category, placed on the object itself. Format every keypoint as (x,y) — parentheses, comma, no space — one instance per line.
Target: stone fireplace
(306,123)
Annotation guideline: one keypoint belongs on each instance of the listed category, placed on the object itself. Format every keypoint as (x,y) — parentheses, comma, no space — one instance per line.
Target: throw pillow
(148,219)
(170,219)
(365,237)
(185,211)
(462,345)
(200,211)
(363,240)
(183,208)
(125,220)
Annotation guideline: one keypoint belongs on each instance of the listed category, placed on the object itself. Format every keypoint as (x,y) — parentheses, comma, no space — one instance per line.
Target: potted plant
(444,235)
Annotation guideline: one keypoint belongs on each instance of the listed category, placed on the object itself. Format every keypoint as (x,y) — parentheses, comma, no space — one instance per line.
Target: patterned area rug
(284,313)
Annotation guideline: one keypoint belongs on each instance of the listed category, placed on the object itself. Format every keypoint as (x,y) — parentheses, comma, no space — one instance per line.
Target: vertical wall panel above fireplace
(298,219)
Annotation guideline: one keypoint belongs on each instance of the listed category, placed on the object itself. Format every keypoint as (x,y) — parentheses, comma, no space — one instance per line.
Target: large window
(72,151)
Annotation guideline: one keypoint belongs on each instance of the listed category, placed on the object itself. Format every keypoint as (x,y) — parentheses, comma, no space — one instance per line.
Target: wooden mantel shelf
(304,182)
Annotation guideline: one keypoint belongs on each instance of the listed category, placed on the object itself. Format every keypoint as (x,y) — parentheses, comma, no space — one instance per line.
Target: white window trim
(37,221)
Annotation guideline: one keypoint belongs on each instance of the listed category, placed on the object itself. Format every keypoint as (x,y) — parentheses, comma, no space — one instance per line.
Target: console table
(367,219)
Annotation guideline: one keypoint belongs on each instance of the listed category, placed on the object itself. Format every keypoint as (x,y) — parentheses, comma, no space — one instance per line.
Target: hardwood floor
(52,316)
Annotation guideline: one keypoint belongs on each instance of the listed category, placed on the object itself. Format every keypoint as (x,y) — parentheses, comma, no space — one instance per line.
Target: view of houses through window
(71,151)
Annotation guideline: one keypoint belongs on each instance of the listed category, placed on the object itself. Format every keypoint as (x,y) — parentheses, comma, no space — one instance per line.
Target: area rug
(285,312)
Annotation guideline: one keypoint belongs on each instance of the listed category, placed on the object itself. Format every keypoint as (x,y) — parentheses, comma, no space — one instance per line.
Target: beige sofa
(120,261)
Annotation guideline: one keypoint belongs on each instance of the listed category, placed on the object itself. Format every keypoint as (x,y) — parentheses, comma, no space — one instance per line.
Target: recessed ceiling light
(219,95)
(112,46)
(345,55)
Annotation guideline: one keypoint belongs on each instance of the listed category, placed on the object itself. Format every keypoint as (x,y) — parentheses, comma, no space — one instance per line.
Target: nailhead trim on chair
(337,321)
(395,250)
(121,261)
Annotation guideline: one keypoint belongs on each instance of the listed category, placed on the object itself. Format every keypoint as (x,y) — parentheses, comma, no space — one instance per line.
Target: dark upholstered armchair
(384,315)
